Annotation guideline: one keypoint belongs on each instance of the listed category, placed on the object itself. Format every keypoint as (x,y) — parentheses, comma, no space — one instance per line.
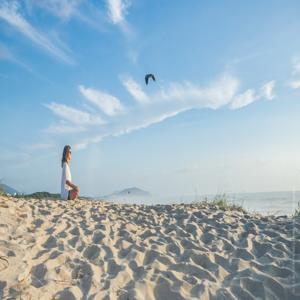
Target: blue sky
(222,116)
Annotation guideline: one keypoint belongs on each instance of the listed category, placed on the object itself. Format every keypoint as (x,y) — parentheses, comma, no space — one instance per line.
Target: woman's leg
(73,194)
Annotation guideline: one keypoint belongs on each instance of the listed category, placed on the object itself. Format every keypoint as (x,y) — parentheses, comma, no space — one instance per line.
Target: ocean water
(277,203)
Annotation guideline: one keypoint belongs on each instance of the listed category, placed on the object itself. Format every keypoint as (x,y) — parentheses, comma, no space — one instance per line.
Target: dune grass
(39,195)
(297,211)
(222,202)
(2,192)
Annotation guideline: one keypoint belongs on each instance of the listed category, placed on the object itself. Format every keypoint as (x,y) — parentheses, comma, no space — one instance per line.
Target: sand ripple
(99,250)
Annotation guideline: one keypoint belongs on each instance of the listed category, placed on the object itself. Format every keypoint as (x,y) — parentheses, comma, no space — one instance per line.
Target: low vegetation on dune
(222,202)
(39,195)
(2,191)
(297,211)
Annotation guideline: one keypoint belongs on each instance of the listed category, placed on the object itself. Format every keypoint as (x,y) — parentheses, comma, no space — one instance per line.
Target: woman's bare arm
(70,184)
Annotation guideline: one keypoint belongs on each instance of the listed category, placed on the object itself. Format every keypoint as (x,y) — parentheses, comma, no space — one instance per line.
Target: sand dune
(98,250)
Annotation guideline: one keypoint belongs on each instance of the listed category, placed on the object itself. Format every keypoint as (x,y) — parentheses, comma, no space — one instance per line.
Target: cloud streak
(109,104)
(149,122)
(9,12)
(64,9)
(85,143)
(244,99)
(167,102)
(295,84)
(74,115)
(82,10)
(135,90)
(296,65)
(217,94)
(267,90)
(8,55)
(250,95)
(117,9)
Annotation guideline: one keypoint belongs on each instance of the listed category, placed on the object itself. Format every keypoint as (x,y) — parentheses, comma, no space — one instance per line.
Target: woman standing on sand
(69,191)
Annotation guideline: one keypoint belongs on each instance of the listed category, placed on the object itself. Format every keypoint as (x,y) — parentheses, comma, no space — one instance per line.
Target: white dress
(66,175)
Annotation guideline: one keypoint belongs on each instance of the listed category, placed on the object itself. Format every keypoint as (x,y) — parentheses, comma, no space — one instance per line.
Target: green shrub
(2,192)
(297,211)
(222,202)
(39,195)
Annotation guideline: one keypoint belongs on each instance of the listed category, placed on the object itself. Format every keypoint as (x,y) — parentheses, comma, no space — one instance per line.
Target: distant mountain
(7,189)
(133,192)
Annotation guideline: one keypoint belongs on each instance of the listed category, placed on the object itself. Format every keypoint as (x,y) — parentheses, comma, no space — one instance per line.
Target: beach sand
(52,249)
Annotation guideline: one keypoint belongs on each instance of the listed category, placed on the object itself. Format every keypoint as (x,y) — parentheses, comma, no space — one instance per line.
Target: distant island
(8,190)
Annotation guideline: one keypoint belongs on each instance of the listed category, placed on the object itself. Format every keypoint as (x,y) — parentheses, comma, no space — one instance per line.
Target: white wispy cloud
(296,65)
(64,9)
(134,89)
(9,12)
(169,101)
(86,142)
(117,10)
(244,99)
(74,115)
(295,84)
(82,10)
(219,93)
(8,55)
(148,122)
(267,90)
(250,95)
(109,104)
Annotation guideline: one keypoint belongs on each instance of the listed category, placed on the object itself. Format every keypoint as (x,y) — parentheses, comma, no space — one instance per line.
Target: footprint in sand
(73,241)
(82,274)
(54,254)
(173,248)
(38,273)
(163,291)
(138,272)
(98,236)
(75,231)
(91,252)
(50,243)
(64,295)
(112,268)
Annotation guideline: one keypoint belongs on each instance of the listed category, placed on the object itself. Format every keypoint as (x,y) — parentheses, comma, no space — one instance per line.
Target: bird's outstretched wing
(148,76)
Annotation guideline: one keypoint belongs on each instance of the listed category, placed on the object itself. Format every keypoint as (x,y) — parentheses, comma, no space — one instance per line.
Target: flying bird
(148,76)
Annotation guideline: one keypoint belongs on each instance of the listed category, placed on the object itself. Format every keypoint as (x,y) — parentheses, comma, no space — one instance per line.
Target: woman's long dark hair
(64,155)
